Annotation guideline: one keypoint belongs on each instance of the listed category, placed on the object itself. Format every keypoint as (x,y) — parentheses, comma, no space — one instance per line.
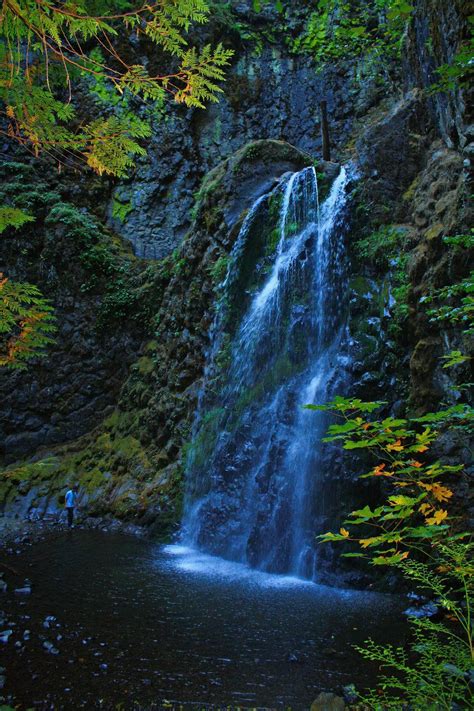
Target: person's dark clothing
(70,515)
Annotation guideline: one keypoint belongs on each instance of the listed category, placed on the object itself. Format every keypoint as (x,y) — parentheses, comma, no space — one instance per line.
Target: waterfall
(253,492)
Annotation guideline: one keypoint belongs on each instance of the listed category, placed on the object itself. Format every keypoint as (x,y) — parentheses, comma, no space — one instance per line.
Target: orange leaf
(344,532)
(396,446)
(416,464)
(421,448)
(379,471)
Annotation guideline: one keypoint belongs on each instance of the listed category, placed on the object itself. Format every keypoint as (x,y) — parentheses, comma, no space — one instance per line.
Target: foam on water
(194,561)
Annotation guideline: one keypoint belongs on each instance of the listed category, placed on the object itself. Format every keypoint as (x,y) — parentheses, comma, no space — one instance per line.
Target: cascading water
(254,465)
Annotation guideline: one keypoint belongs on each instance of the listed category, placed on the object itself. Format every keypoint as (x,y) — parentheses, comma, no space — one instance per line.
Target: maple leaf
(396,446)
(421,448)
(425,508)
(366,542)
(344,532)
(416,464)
(441,493)
(437,517)
(401,500)
(379,471)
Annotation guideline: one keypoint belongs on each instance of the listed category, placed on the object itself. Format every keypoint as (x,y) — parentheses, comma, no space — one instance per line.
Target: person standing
(70,504)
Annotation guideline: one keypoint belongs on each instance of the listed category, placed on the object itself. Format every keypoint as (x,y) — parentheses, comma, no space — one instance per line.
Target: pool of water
(147,624)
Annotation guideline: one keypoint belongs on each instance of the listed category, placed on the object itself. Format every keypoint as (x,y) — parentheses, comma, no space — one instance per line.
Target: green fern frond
(13,217)
(27,323)
(111,144)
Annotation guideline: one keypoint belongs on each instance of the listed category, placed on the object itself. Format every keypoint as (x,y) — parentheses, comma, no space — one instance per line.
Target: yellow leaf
(437,517)
(366,542)
(425,508)
(421,448)
(404,555)
(344,532)
(441,493)
(396,446)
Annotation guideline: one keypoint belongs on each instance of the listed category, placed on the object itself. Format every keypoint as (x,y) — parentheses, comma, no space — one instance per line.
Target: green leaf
(454,358)
(360,444)
(366,513)
(426,531)
(353,555)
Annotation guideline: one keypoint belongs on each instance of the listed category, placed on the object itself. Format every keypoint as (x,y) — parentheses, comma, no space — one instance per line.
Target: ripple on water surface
(173,623)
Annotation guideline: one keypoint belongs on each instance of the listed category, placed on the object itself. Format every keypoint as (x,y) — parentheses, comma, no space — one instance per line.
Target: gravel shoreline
(18,534)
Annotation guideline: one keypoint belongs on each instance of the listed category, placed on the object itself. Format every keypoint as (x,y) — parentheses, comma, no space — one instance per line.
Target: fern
(13,217)
(111,144)
(200,72)
(26,323)
(54,37)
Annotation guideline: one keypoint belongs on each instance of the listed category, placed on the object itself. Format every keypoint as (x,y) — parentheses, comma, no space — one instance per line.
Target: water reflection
(148,623)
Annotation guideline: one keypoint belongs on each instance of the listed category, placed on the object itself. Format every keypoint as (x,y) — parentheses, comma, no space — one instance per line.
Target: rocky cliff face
(269,94)
(128,464)
(112,405)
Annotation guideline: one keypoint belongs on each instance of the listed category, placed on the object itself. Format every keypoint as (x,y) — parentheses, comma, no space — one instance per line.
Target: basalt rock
(131,465)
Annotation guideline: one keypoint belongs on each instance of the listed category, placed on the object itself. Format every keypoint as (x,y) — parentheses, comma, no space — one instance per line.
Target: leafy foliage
(381,247)
(453,305)
(26,323)
(223,14)
(385,249)
(437,672)
(458,72)
(461,309)
(344,30)
(120,209)
(414,530)
(43,51)
(13,217)
(415,510)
